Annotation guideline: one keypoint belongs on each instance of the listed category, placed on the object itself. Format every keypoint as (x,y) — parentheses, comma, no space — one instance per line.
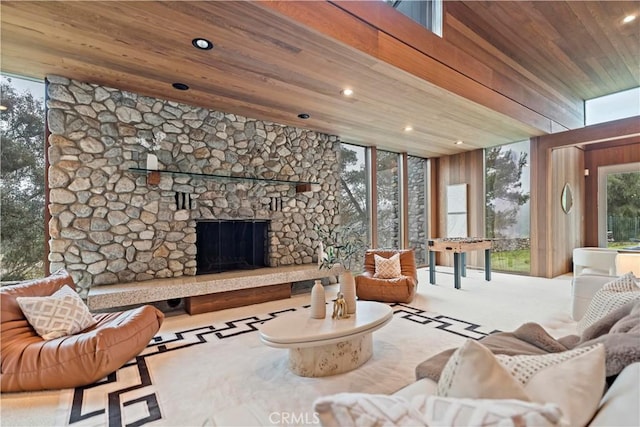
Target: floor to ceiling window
(388,203)
(22,184)
(417,205)
(619,205)
(507,206)
(362,167)
(354,195)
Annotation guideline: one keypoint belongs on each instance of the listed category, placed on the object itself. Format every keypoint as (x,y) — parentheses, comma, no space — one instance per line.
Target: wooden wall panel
(466,168)
(594,158)
(567,166)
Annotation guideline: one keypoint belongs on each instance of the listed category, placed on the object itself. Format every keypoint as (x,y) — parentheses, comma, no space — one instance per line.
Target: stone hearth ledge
(126,294)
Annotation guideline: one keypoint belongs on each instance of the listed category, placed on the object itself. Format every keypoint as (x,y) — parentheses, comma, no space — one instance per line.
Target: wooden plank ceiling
(582,46)
(263,66)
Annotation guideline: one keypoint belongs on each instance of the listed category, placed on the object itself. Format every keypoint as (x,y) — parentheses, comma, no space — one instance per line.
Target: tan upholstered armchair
(30,363)
(401,289)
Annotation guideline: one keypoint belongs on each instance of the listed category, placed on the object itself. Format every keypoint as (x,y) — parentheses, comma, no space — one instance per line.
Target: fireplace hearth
(228,245)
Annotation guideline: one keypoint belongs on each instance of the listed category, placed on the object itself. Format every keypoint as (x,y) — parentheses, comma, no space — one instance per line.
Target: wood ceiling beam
(403,43)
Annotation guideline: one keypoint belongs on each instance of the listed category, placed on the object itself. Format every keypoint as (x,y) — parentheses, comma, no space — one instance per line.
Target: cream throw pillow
(610,297)
(447,411)
(574,380)
(473,372)
(63,313)
(387,268)
(359,409)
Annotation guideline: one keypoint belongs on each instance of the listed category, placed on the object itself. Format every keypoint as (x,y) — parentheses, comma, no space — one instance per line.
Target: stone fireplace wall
(108,225)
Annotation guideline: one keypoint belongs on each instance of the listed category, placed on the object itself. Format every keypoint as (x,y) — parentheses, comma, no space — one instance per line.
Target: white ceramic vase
(348,289)
(152,162)
(318,301)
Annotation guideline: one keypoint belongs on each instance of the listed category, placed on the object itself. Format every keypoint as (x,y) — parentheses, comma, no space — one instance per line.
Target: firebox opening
(231,245)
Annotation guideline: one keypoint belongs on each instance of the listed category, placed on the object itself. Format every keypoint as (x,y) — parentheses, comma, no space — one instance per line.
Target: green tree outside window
(22,187)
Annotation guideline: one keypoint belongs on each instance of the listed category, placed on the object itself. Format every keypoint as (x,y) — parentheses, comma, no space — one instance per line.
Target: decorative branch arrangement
(338,246)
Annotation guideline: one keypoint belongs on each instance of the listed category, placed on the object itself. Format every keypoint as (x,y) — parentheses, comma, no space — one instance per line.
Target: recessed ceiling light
(458,142)
(200,43)
(347,92)
(180,86)
(3,108)
(408,128)
(628,19)
(303,116)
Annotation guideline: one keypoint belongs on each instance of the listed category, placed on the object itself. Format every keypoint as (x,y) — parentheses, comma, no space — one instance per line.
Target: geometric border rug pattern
(116,405)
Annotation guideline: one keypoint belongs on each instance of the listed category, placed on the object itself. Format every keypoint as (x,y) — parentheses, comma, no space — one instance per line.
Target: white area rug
(213,365)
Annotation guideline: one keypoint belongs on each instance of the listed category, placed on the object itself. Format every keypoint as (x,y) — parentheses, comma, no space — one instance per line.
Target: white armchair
(599,261)
(583,288)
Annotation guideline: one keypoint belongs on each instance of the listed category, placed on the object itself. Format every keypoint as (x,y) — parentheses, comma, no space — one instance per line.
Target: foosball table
(459,246)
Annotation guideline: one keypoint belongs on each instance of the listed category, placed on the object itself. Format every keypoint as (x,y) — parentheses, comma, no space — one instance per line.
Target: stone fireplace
(110,224)
(231,245)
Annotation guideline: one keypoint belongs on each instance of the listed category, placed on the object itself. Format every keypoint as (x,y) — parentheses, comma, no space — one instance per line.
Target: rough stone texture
(417,208)
(109,226)
(510,244)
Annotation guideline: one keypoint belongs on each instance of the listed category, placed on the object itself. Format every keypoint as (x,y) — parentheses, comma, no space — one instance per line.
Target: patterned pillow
(473,372)
(574,380)
(610,297)
(63,313)
(359,409)
(446,411)
(387,268)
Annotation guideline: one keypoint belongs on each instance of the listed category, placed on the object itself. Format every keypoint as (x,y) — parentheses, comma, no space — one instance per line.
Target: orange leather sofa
(31,363)
(401,289)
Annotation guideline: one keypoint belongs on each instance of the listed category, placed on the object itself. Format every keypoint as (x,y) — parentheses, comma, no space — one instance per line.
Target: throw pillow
(446,411)
(387,268)
(473,372)
(574,379)
(63,313)
(610,297)
(360,409)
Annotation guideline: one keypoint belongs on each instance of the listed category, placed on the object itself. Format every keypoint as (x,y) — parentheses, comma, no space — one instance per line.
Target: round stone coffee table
(322,347)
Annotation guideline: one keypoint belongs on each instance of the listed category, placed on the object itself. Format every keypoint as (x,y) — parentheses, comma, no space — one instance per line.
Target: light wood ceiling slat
(268,66)
(580,45)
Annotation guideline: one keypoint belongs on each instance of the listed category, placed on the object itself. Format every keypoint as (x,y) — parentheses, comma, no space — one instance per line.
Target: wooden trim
(601,132)
(373,193)
(404,200)
(47,214)
(614,143)
(238,298)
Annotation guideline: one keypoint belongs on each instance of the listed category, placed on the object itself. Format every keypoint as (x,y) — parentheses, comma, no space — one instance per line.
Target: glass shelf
(301,186)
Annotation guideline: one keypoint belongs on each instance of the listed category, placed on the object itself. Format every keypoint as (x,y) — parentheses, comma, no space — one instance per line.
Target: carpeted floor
(200,368)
